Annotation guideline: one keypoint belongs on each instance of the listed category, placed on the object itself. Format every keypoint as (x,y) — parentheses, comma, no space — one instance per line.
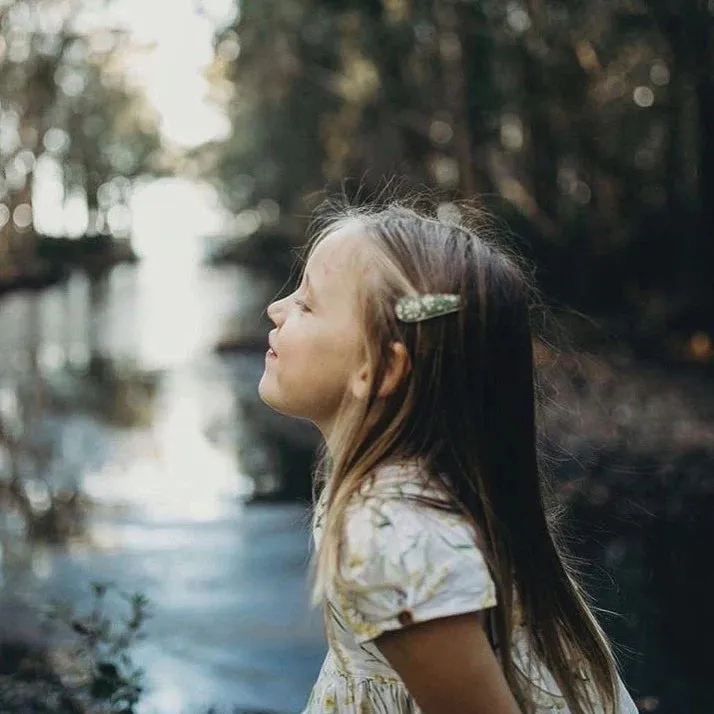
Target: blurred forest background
(587,127)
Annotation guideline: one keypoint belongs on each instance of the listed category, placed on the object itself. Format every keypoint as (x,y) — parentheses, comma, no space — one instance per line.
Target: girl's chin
(268,395)
(269,398)
(264,390)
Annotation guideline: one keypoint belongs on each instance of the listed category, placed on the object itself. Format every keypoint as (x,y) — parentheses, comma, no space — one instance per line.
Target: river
(115,389)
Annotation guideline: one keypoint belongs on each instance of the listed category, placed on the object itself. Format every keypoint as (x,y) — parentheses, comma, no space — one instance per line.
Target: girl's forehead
(338,256)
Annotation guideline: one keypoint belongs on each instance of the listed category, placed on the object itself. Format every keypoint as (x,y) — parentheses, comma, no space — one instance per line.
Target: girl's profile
(408,344)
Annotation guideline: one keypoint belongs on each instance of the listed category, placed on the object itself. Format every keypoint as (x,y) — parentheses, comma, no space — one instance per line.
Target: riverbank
(56,258)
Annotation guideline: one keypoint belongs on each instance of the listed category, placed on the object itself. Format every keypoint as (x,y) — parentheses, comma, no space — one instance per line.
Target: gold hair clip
(415,308)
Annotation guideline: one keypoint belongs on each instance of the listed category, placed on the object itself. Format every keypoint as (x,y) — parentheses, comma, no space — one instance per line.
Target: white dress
(403,563)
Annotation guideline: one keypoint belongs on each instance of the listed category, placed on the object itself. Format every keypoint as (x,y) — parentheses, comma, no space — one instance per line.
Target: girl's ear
(398,366)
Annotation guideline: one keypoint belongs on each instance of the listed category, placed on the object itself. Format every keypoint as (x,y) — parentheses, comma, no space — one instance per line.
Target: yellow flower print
(355,560)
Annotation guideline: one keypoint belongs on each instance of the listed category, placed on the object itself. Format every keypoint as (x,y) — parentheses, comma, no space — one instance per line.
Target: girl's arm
(448,666)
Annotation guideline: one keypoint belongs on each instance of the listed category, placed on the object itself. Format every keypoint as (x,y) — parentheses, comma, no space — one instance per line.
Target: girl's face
(316,351)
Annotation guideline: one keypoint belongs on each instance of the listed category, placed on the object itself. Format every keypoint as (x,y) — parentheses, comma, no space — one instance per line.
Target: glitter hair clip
(415,308)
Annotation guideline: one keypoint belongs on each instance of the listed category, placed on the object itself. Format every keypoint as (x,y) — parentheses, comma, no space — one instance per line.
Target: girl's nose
(274,312)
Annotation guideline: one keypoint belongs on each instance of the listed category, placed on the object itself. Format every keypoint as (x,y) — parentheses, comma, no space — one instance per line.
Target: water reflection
(176,469)
(92,347)
(148,316)
(119,420)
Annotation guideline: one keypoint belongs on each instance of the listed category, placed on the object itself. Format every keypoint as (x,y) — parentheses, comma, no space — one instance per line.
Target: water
(115,389)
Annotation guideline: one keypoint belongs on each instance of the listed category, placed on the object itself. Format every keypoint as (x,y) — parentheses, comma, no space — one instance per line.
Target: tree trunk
(543,148)
(451,22)
(705,100)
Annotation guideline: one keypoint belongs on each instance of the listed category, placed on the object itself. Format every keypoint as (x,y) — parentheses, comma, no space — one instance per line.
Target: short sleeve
(403,563)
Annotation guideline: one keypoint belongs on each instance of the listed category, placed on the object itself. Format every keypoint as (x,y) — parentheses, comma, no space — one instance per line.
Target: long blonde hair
(466,409)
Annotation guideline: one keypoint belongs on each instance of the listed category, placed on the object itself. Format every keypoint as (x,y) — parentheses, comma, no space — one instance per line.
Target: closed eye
(302,305)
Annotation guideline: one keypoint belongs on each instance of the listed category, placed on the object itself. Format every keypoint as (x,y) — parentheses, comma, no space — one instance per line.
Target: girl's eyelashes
(302,305)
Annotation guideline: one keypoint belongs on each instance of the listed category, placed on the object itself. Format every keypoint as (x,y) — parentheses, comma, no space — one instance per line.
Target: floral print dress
(403,563)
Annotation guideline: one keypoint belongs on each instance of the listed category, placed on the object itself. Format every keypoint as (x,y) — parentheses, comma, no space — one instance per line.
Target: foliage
(108,676)
(589,125)
(67,112)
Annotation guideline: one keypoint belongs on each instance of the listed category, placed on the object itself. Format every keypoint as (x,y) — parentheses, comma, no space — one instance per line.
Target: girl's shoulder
(400,553)
(399,500)
(396,500)
(401,496)
(408,481)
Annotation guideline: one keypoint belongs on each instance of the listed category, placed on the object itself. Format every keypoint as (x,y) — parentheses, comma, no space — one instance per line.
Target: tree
(67,104)
(588,124)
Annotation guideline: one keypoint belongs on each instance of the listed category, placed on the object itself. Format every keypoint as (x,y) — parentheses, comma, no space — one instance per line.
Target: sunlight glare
(170,217)
(179,48)
(178,472)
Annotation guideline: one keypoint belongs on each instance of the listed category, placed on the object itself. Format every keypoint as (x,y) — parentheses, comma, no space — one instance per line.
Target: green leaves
(103,646)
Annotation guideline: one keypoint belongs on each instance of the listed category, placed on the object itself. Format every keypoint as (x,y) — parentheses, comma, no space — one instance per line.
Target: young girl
(408,344)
